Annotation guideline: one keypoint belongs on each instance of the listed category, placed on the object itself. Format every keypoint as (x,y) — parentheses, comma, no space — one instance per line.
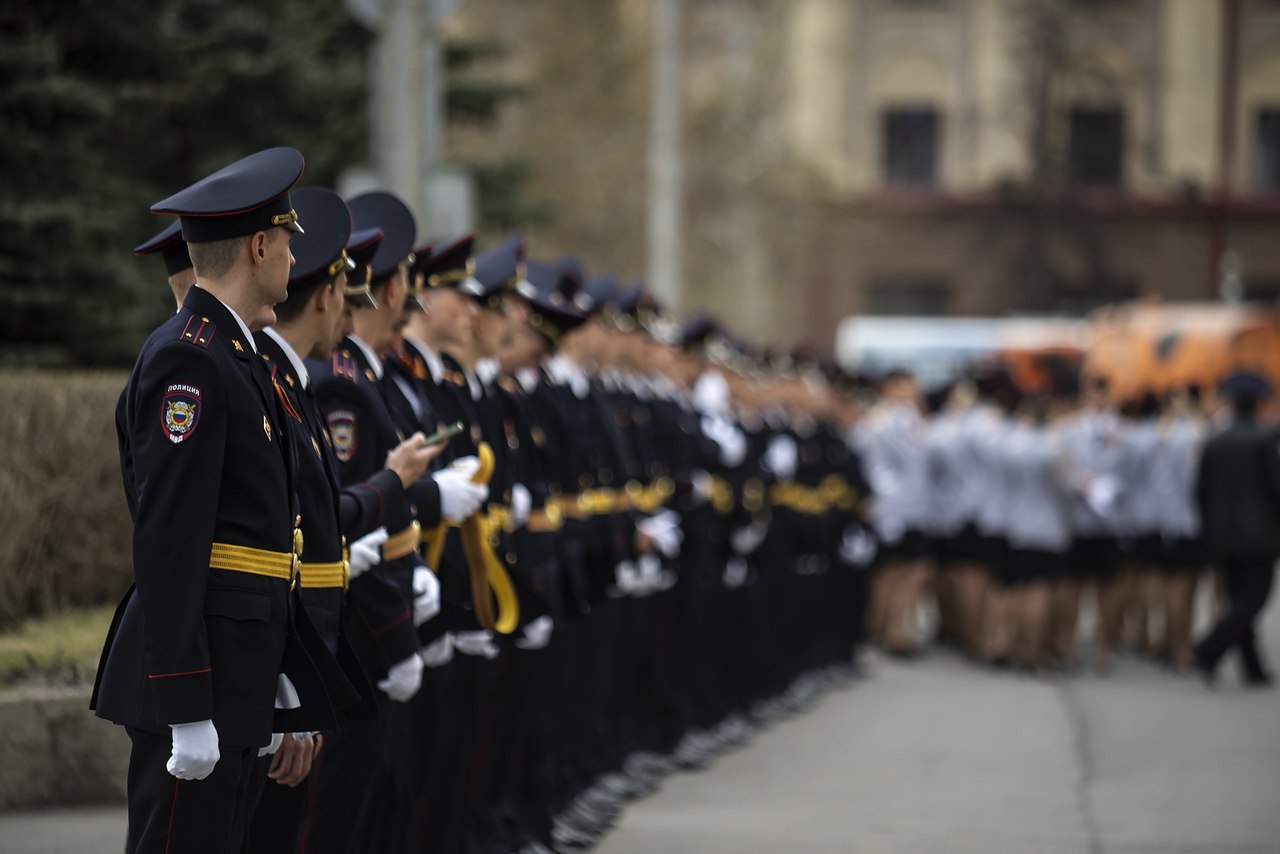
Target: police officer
(193,662)
(309,324)
(172,249)
(1238,492)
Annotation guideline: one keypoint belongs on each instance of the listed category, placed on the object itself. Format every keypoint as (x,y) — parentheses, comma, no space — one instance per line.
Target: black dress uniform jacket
(206,458)
(1238,490)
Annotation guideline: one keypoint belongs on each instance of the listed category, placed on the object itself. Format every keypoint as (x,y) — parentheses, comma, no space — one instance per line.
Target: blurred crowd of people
(1007,511)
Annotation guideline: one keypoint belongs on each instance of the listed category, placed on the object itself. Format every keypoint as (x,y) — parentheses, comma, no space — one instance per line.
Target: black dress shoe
(1258,680)
(1208,673)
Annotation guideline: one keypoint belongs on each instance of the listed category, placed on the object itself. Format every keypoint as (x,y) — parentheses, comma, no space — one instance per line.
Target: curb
(55,752)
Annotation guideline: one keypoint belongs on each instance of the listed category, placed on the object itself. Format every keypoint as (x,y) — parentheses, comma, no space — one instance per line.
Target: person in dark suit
(309,323)
(195,658)
(1238,491)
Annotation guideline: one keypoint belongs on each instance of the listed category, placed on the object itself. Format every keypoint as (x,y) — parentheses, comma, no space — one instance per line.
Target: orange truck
(1155,347)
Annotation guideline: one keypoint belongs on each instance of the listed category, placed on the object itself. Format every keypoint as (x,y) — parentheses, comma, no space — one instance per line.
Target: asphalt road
(940,756)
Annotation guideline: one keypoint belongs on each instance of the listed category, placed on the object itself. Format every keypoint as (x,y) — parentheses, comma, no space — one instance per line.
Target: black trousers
(172,816)
(1248,587)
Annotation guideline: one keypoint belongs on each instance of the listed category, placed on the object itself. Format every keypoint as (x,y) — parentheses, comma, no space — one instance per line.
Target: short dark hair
(293,306)
(216,258)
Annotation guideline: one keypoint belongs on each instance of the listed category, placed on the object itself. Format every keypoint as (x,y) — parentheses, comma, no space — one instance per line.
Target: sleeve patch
(180,411)
(342,429)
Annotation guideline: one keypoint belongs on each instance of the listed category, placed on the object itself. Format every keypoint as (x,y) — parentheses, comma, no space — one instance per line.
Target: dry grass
(67,531)
(64,648)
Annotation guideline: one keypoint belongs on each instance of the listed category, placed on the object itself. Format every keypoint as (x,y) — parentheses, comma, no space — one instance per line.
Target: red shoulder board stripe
(198,331)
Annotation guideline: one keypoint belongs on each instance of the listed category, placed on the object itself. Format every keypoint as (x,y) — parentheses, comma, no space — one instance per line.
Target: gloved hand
(426,595)
(521,505)
(403,679)
(479,643)
(627,578)
(735,573)
(286,695)
(748,538)
(857,547)
(701,481)
(537,633)
(780,457)
(730,440)
(366,552)
(439,652)
(195,750)
(276,739)
(459,497)
(664,530)
(648,574)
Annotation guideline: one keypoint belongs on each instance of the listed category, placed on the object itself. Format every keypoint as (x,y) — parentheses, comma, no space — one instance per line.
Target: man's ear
(323,298)
(258,247)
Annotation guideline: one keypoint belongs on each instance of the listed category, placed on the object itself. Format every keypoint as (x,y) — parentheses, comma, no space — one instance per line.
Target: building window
(911,146)
(1096,153)
(1266,161)
(910,296)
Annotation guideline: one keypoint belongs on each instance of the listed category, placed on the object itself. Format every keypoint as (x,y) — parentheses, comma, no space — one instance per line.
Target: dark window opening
(1096,153)
(909,297)
(911,146)
(1266,160)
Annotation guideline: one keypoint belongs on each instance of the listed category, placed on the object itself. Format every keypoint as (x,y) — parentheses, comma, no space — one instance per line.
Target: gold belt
(402,543)
(545,519)
(325,575)
(281,565)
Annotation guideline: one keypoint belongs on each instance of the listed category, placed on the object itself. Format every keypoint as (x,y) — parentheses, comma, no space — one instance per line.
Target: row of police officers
(438,550)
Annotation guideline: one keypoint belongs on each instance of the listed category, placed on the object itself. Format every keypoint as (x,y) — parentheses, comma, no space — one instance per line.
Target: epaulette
(198,331)
(345,366)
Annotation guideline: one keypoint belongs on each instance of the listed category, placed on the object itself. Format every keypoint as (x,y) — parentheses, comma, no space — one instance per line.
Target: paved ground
(940,756)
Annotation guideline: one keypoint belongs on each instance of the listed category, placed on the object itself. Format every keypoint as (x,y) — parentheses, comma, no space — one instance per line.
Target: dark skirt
(1095,558)
(1032,566)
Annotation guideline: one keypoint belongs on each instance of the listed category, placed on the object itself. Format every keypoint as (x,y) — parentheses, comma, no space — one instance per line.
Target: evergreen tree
(104,111)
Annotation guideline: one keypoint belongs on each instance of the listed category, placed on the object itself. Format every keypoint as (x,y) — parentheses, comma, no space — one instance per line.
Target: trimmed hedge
(67,532)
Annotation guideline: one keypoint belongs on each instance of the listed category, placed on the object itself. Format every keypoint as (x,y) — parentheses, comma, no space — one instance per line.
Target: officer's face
(449,317)
(339,316)
(272,273)
(397,290)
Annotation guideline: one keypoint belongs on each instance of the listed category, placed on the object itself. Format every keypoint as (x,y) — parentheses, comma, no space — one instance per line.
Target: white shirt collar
(435,364)
(243,326)
(487,370)
(299,367)
(374,362)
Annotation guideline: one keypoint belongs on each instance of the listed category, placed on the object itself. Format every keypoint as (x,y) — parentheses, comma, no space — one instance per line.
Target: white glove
(195,750)
(1101,495)
(277,739)
(426,595)
(735,573)
(403,679)
(521,505)
(732,442)
(748,538)
(459,497)
(439,652)
(780,457)
(702,486)
(664,530)
(537,633)
(366,552)
(857,548)
(627,577)
(476,643)
(649,574)
(286,694)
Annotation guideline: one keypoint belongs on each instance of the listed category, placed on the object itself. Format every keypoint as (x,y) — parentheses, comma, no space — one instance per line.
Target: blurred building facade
(953,157)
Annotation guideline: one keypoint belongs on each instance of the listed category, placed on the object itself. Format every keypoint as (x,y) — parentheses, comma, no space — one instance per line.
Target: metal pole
(665,170)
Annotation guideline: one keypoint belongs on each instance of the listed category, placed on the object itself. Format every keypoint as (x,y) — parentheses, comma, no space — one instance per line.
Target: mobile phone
(444,434)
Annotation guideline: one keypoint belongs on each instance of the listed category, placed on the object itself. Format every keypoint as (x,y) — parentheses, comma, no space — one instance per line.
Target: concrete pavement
(938,755)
